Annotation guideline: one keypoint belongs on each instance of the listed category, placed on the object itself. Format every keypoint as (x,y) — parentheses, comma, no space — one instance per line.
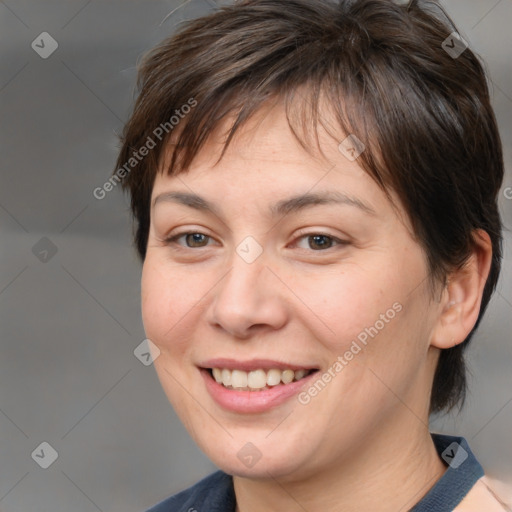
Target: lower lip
(252,401)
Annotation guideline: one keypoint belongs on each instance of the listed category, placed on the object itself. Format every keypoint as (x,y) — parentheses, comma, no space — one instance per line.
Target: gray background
(69,325)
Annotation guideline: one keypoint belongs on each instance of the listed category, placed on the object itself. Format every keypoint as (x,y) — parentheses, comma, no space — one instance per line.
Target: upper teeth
(256,379)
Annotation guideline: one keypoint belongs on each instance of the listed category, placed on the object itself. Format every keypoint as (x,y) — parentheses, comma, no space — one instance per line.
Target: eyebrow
(283,207)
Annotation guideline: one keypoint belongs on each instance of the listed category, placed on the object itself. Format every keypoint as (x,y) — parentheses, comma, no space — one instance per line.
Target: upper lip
(253,364)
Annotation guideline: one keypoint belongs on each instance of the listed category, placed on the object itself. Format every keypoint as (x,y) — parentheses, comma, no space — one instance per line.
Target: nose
(248,300)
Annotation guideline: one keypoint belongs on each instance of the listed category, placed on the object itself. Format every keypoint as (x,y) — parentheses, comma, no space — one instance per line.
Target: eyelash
(173,239)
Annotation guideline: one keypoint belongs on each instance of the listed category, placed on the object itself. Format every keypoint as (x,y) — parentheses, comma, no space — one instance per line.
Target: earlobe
(462,295)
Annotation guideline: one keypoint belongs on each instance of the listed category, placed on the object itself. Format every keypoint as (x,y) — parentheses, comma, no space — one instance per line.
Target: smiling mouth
(256,380)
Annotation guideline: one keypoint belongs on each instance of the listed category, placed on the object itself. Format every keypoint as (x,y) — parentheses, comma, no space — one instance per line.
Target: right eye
(193,239)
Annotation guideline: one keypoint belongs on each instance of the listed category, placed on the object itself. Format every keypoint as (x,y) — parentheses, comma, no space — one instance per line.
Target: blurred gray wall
(69,278)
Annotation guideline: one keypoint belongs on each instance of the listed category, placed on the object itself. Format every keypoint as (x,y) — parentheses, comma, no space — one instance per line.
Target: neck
(388,472)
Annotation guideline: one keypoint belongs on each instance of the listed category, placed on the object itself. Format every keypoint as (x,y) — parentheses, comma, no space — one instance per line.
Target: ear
(462,295)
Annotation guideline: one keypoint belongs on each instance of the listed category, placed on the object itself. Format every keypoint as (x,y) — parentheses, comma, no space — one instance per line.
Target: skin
(365,435)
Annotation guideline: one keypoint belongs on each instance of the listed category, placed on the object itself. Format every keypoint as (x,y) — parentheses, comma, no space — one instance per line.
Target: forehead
(266,158)
(265,138)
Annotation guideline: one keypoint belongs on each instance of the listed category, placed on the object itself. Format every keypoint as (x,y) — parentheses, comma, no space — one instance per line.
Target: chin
(258,460)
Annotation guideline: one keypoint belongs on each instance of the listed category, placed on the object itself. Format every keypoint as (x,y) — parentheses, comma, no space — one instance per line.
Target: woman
(314,186)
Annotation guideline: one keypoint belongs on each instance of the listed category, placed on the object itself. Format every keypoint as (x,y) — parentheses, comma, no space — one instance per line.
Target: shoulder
(216,489)
(484,496)
(463,487)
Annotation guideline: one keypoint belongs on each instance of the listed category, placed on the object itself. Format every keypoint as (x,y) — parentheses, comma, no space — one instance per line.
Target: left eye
(319,241)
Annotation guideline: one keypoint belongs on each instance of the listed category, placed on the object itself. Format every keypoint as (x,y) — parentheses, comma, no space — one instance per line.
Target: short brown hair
(423,114)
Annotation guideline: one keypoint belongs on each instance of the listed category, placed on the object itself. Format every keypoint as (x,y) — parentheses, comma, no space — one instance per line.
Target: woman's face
(297,263)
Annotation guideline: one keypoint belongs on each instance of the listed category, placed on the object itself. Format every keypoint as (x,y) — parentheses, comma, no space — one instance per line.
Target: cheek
(367,315)
(341,304)
(170,300)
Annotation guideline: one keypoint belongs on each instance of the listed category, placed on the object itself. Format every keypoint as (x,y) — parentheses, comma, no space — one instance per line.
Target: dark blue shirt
(215,493)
